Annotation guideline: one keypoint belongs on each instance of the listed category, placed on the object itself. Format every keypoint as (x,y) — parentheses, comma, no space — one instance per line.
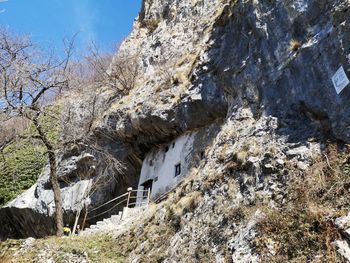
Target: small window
(173,144)
(151,163)
(155,179)
(202,155)
(177,169)
(166,148)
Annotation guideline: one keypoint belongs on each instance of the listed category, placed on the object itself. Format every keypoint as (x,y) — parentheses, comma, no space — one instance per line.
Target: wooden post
(85,217)
(85,205)
(129,194)
(76,221)
(148,196)
(125,212)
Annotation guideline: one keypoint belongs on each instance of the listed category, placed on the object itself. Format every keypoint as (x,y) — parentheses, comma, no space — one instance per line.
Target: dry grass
(102,248)
(273,150)
(294,45)
(5,260)
(212,178)
(187,203)
(238,158)
(255,149)
(241,157)
(7,248)
(151,24)
(152,237)
(296,234)
(222,153)
(204,254)
(186,59)
(180,78)
(303,229)
(237,214)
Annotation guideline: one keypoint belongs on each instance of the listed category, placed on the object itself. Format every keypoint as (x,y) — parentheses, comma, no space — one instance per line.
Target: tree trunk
(77,216)
(53,177)
(56,193)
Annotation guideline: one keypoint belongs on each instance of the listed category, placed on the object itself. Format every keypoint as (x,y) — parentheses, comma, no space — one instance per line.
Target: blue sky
(49,21)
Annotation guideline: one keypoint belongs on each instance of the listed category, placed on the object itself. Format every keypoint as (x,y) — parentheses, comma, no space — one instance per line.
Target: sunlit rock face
(32,213)
(226,62)
(258,65)
(199,56)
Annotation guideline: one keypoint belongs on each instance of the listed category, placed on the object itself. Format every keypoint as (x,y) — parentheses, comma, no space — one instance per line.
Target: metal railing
(134,198)
(130,198)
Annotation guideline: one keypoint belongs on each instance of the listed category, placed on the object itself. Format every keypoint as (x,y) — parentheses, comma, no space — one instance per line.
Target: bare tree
(11,129)
(27,78)
(124,71)
(119,71)
(90,77)
(98,63)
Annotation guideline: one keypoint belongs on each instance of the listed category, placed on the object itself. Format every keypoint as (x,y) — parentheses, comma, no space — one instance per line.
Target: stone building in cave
(163,168)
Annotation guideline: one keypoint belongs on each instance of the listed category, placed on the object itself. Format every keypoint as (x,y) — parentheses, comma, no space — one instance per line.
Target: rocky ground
(224,212)
(275,180)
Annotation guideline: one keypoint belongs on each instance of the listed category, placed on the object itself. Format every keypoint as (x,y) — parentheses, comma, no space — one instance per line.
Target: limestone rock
(203,62)
(343,225)
(240,244)
(31,214)
(343,249)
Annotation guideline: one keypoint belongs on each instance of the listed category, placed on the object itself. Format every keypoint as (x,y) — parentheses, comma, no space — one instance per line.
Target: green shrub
(22,161)
(20,167)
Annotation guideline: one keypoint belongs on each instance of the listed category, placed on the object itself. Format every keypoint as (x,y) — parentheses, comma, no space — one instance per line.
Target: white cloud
(86,19)
(3,10)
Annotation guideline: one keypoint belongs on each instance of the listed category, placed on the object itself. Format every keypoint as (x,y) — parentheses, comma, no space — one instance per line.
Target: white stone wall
(159,165)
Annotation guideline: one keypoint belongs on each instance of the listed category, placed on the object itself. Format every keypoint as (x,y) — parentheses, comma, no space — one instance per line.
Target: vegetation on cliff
(22,160)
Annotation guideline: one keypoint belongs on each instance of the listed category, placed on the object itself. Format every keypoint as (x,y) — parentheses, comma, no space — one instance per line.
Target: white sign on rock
(340,80)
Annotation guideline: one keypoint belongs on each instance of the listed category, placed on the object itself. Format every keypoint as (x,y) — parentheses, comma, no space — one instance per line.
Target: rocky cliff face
(201,61)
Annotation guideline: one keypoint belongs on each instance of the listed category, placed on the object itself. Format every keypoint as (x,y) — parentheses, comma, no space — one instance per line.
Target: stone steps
(114,222)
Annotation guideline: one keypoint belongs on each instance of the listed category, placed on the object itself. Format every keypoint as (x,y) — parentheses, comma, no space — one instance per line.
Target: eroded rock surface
(205,60)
